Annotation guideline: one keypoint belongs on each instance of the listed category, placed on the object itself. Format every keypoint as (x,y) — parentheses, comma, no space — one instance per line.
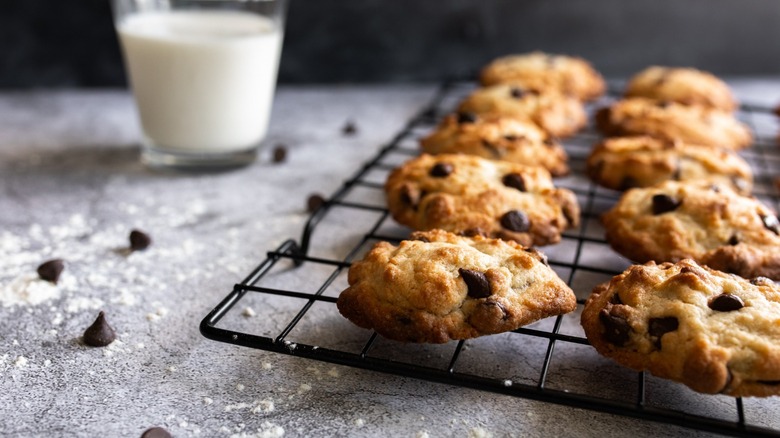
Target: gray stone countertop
(72,187)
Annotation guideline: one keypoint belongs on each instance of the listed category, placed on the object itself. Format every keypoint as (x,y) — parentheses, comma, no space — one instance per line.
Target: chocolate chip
(733,240)
(139,240)
(515,181)
(99,334)
(615,299)
(726,303)
(280,154)
(539,255)
(658,327)
(478,285)
(628,182)
(473,232)
(50,271)
(466,117)
(616,328)
(410,195)
(441,170)
(771,223)
(314,202)
(499,306)
(516,92)
(511,137)
(760,281)
(663,203)
(156,432)
(349,128)
(769,382)
(515,221)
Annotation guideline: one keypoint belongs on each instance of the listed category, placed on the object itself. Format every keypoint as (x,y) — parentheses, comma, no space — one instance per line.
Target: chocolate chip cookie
(714,332)
(473,195)
(711,224)
(499,138)
(556,114)
(674,121)
(687,86)
(439,287)
(622,163)
(544,72)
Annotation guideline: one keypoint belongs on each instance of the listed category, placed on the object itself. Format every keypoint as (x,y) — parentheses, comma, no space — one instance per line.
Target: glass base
(194,161)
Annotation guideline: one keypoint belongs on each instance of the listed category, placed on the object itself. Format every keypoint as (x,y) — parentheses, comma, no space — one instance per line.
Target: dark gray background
(55,43)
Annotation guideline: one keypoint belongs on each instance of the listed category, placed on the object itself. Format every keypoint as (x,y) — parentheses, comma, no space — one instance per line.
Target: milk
(203,80)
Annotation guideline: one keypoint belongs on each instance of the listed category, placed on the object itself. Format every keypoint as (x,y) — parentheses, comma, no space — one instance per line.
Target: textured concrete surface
(71,187)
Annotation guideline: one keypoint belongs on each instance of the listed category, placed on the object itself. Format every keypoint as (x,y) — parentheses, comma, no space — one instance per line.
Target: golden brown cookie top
(556,114)
(622,163)
(674,121)
(715,332)
(496,137)
(545,72)
(438,287)
(473,195)
(711,224)
(687,86)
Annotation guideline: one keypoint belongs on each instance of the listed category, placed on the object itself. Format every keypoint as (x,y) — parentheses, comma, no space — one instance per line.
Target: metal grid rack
(354,218)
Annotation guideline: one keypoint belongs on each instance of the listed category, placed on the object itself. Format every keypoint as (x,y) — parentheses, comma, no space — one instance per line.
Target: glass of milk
(203,73)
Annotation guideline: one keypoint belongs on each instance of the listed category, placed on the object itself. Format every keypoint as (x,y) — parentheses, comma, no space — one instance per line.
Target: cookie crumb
(207,401)
(267,365)
(20,362)
(360,422)
(240,386)
(248,312)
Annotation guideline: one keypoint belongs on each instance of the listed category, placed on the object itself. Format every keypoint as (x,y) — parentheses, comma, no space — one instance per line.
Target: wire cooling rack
(549,360)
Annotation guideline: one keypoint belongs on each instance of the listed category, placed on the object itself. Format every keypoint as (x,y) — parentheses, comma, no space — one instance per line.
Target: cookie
(556,114)
(500,138)
(687,86)
(714,332)
(711,224)
(544,72)
(673,121)
(473,195)
(439,287)
(622,163)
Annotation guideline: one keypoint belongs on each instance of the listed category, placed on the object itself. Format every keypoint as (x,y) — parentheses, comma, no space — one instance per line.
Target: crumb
(207,401)
(478,432)
(263,406)
(46,363)
(172,368)
(507,382)
(333,372)
(20,361)
(360,422)
(240,386)
(304,387)
(248,312)
(267,365)
(422,434)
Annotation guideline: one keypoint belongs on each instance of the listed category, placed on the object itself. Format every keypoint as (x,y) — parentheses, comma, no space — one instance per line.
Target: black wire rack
(549,361)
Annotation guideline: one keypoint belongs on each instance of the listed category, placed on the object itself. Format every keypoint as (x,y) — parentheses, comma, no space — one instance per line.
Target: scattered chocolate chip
(616,328)
(516,92)
(441,170)
(156,432)
(771,223)
(515,181)
(759,281)
(467,117)
(657,327)
(139,240)
(99,334)
(405,320)
(410,195)
(726,303)
(472,232)
(628,182)
(280,154)
(50,271)
(515,220)
(349,128)
(478,285)
(663,203)
(314,202)
(539,255)
(733,240)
